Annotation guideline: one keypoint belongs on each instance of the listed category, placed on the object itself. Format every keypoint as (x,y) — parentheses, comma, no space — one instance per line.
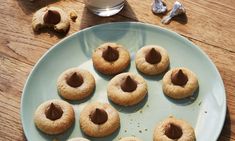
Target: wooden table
(210,24)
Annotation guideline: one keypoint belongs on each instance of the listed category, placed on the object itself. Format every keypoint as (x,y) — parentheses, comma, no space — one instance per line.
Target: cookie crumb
(199,104)
(205,112)
(147,105)
(141,111)
(125,130)
(145,129)
(73,15)
(140,131)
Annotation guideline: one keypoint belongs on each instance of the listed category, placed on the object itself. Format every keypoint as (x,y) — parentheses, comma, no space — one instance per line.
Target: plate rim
(175,34)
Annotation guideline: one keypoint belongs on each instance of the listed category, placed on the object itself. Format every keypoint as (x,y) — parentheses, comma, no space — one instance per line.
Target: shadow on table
(128,12)
(225,134)
(32,6)
(182,19)
(51,32)
(23,137)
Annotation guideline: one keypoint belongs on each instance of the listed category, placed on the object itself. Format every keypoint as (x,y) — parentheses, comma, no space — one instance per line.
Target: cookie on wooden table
(110,58)
(179,83)
(130,139)
(127,89)
(99,119)
(54,116)
(51,17)
(172,129)
(75,84)
(152,60)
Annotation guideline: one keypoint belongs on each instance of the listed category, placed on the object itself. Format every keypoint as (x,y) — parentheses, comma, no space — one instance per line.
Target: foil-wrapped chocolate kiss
(176,10)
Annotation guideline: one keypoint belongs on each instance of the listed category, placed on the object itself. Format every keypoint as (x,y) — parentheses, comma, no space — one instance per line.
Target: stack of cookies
(125,88)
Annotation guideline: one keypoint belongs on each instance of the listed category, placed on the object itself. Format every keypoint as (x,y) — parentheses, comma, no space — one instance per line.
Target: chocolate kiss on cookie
(110,54)
(173,131)
(179,78)
(99,116)
(53,112)
(153,56)
(75,80)
(52,17)
(129,85)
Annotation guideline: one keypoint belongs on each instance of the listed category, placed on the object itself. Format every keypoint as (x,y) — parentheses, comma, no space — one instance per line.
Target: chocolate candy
(99,116)
(75,80)
(53,112)
(158,7)
(129,85)
(52,17)
(176,10)
(110,54)
(173,131)
(153,56)
(179,78)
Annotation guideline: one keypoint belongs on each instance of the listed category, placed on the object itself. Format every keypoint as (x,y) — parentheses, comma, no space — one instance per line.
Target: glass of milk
(104,8)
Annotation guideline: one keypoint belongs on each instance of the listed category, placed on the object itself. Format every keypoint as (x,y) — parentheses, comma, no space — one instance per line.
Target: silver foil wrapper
(177,10)
(158,7)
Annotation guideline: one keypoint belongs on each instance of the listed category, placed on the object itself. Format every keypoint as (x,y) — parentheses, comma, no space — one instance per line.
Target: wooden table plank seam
(213,10)
(230,51)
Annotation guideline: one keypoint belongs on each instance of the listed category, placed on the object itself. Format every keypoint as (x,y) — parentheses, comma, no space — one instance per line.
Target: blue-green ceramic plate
(205,111)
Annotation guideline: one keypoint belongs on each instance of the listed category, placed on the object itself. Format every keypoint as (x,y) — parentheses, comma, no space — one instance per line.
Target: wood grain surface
(209,24)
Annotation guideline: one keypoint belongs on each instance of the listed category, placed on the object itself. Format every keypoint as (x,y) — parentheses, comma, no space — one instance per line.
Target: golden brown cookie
(129,139)
(110,58)
(75,84)
(172,129)
(52,17)
(54,116)
(127,89)
(99,119)
(152,60)
(179,83)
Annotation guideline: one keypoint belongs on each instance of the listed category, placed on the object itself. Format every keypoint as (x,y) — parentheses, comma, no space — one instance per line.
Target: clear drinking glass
(105,8)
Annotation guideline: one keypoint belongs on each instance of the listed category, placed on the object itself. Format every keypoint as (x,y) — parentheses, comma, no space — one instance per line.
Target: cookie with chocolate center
(172,129)
(54,116)
(99,119)
(179,83)
(110,58)
(75,84)
(127,89)
(152,60)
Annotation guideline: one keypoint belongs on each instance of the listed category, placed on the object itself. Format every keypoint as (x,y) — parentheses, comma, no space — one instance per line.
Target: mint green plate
(205,111)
